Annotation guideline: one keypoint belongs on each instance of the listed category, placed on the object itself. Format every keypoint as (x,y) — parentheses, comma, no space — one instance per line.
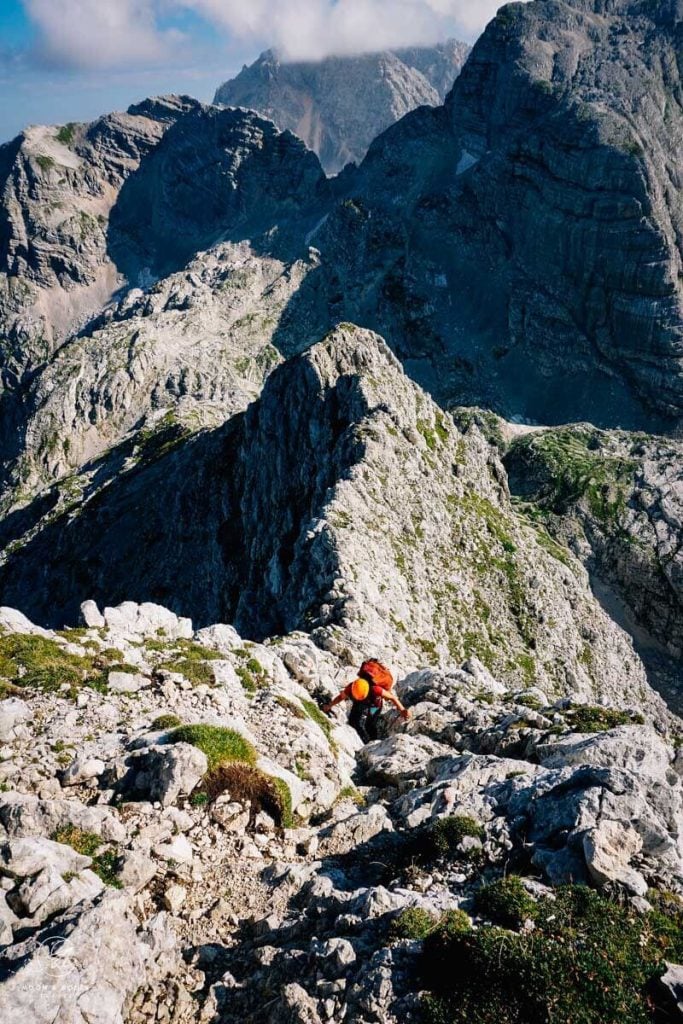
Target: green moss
(317,716)
(166,722)
(42,663)
(412,923)
(506,902)
(219,744)
(588,961)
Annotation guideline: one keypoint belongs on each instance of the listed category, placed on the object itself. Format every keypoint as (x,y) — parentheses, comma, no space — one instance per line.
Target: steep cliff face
(319,101)
(344,503)
(523,242)
(617,500)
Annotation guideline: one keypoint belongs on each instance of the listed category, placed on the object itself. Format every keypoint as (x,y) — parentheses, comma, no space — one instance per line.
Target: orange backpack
(376,674)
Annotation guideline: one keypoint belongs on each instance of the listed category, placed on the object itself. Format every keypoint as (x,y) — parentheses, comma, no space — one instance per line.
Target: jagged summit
(318,100)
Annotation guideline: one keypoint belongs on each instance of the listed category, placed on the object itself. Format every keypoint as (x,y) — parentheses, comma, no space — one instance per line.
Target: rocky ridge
(308,512)
(318,101)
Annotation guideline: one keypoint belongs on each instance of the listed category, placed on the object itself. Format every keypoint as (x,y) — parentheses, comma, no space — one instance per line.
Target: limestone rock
(318,101)
(609,849)
(170,772)
(13,713)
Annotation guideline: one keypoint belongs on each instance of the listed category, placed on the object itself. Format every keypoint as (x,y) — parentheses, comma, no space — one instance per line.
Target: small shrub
(246,784)
(66,133)
(166,722)
(447,833)
(589,961)
(586,718)
(412,923)
(85,843)
(106,865)
(219,744)
(199,798)
(506,902)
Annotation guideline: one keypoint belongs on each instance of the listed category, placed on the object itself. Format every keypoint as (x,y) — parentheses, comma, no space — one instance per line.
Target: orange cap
(360,689)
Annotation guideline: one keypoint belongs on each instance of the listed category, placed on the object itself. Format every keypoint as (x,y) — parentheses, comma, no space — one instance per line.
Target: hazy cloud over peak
(123,33)
(310,29)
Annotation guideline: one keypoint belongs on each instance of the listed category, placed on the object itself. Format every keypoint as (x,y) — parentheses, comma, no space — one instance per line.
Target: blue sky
(72,60)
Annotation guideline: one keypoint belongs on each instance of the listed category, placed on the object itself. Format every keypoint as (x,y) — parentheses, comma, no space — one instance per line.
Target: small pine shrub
(589,960)
(412,923)
(447,833)
(506,902)
(587,718)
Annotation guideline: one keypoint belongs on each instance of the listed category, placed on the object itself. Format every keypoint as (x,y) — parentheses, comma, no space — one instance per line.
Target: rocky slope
(615,498)
(309,512)
(319,101)
(152,870)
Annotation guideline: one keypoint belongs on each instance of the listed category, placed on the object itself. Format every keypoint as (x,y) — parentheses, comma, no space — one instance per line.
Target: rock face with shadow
(343,502)
(521,244)
(319,101)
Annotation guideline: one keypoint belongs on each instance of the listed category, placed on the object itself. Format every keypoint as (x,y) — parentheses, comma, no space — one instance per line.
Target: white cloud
(99,33)
(94,34)
(310,29)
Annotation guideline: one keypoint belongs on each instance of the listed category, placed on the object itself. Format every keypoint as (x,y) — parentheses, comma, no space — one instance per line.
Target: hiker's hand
(326,708)
(405,714)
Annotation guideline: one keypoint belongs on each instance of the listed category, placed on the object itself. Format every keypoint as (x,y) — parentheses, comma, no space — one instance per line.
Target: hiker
(367,693)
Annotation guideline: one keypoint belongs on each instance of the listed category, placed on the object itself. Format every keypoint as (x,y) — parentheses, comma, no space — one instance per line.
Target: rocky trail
(134,750)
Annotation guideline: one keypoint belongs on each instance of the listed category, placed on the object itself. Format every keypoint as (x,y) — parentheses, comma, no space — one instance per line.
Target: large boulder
(93,960)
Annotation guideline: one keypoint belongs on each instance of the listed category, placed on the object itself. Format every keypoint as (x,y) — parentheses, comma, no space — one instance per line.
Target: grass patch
(190,660)
(166,722)
(87,844)
(252,676)
(317,716)
(40,663)
(220,745)
(247,784)
(588,961)
(290,706)
(587,718)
